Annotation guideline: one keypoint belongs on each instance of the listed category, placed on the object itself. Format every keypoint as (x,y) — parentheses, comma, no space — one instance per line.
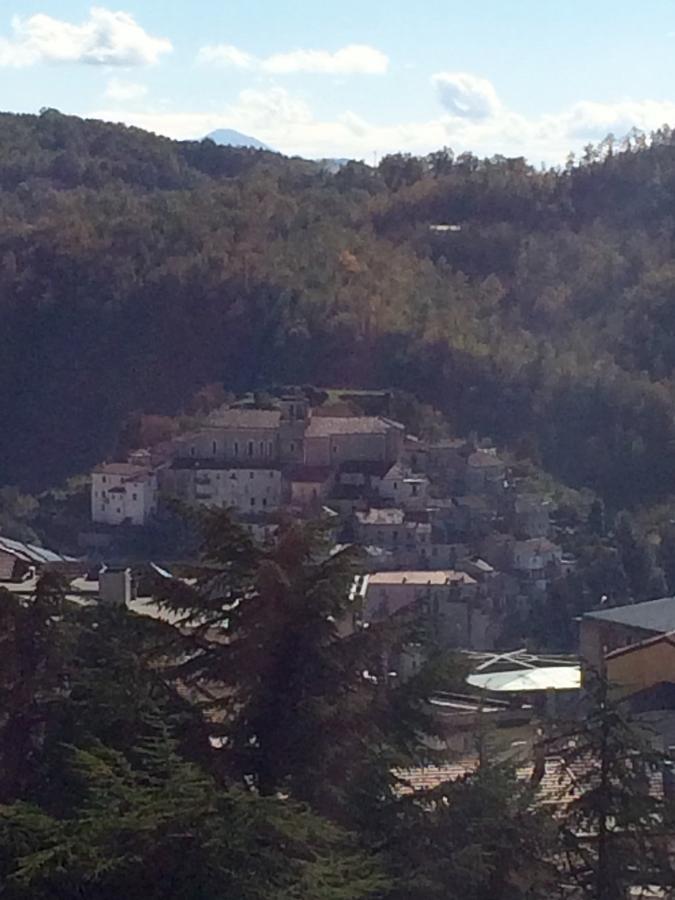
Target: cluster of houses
(440,522)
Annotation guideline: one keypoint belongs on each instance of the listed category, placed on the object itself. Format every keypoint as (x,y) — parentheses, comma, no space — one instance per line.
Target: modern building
(605,630)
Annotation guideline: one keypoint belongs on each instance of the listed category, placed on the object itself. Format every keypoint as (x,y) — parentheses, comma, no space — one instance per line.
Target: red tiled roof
(126,470)
(326,426)
(558,786)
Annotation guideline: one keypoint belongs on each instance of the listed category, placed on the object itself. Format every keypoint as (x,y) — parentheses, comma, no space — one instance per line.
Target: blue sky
(520,78)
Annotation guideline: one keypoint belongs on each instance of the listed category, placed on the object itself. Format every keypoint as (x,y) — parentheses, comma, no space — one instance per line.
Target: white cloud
(121,90)
(106,38)
(226,55)
(354,59)
(287,123)
(466,96)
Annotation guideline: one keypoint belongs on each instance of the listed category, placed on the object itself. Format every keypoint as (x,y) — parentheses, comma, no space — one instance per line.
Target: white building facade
(123,494)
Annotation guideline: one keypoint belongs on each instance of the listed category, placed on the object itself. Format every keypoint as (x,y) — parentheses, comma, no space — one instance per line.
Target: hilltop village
(438,521)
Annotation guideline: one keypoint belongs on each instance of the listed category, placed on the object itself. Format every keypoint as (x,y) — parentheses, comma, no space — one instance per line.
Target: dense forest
(135,269)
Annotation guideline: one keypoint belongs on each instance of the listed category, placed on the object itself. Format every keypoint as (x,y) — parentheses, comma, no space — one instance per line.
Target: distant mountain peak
(228,137)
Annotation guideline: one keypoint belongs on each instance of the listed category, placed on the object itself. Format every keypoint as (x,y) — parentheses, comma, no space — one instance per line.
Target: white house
(123,493)
(247,488)
(404,488)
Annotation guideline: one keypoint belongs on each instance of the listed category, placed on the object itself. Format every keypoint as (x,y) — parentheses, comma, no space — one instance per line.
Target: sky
(351,79)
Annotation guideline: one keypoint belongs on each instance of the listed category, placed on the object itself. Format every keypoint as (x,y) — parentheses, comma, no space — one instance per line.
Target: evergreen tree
(615,823)
(596,518)
(303,691)
(481,837)
(637,555)
(150,826)
(34,652)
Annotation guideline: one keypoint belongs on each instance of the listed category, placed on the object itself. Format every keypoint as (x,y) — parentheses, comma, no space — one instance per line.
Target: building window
(192,451)
(264,503)
(396,485)
(269,448)
(292,449)
(102,507)
(134,496)
(271,474)
(104,479)
(250,448)
(250,474)
(262,448)
(414,490)
(394,535)
(236,448)
(214,448)
(252,501)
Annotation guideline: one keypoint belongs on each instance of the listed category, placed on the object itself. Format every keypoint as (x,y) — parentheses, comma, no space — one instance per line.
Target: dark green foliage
(615,824)
(303,690)
(150,825)
(480,838)
(135,270)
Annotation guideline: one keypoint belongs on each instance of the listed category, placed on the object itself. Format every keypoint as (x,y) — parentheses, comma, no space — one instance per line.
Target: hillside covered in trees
(135,269)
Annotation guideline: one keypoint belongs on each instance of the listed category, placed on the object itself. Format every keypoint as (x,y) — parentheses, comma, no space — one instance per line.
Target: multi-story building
(123,493)
(404,488)
(446,599)
(251,486)
(407,537)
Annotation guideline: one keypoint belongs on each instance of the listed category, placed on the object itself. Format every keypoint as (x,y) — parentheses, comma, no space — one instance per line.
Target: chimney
(114,586)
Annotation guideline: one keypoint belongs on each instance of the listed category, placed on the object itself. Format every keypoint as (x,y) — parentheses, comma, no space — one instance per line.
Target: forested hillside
(134,269)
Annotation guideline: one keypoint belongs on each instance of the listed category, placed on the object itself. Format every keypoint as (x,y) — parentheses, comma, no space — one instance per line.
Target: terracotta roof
(556,788)
(245,418)
(438,576)
(537,545)
(126,470)
(481,459)
(326,426)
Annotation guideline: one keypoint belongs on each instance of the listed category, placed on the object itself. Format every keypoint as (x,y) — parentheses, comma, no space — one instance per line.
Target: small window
(292,448)
(134,496)
(250,448)
(269,448)
(119,511)
(251,474)
(236,448)
(192,450)
(102,507)
(264,503)
(414,490)
(262,448)
(104,479)
(396,485)
(271,474)
(252,501)
(214,448)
